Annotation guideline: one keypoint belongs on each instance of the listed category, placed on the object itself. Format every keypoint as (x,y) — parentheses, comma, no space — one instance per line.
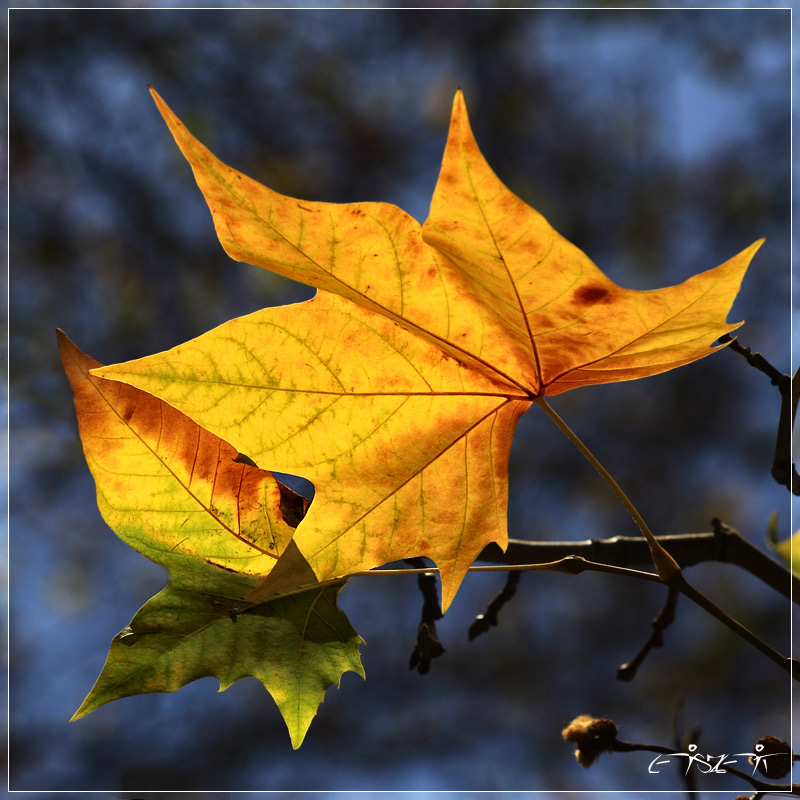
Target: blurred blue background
(657,141)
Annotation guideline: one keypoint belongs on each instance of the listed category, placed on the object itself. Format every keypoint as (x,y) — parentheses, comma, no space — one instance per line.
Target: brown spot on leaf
(589,295)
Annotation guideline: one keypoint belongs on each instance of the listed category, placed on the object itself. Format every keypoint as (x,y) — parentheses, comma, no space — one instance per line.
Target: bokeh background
(657,141)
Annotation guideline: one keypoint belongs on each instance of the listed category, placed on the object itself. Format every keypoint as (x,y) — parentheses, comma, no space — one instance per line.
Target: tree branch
(723,545)
(730,547)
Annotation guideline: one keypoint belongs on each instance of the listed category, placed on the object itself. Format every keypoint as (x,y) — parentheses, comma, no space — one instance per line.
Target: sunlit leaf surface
(396,390)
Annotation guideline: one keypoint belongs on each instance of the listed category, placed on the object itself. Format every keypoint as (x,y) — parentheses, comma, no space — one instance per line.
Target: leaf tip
(298,736)
(81,712)
(76,363)
(70,354)
(747,254)
(166,112)
(64,343)
(459,104)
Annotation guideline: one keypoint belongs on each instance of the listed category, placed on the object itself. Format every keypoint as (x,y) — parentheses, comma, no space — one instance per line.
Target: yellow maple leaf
(396,390)
(176,493)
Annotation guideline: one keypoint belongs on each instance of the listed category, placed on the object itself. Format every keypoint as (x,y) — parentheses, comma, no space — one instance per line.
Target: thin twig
(778,378)
(428,645)
(627,672)
(684,587)
(783,469)
(485,621)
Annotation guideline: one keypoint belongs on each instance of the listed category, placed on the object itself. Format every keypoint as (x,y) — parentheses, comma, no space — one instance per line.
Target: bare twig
(574,565)
(783,470)
(627,672)
(428,645)
(778,378)
(787,663)
(485,621)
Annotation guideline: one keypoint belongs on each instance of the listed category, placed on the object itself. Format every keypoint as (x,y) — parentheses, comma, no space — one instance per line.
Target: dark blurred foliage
(657,141)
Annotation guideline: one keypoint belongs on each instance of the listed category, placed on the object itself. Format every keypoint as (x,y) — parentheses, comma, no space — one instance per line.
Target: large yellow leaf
(511,296)
(407,448)
(397,389)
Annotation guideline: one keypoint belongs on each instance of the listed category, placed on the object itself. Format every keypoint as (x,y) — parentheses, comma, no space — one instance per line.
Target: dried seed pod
(773,757)
(591,736)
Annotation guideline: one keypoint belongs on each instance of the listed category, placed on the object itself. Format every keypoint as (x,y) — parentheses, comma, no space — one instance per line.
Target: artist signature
(708,763)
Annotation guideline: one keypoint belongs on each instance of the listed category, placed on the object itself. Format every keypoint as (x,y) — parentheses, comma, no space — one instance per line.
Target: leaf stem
(668,570)
(665,564)
(569,564)
(680,583)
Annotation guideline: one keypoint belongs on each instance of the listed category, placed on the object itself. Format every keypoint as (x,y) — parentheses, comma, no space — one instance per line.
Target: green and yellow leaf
(174,492)
(297,646)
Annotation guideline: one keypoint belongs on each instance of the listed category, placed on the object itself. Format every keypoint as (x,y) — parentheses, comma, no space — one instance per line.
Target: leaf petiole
(669,572)
(665,564)
(569,564)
